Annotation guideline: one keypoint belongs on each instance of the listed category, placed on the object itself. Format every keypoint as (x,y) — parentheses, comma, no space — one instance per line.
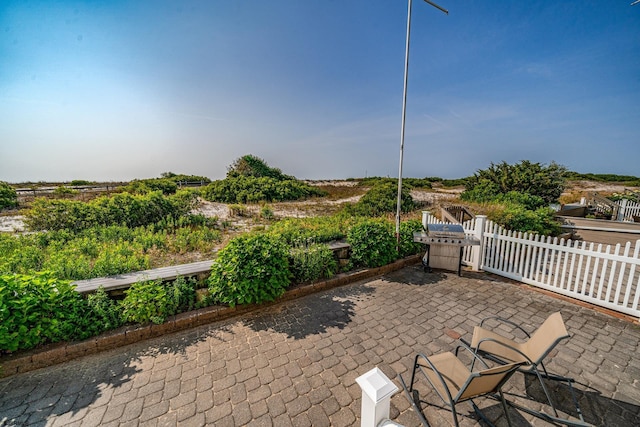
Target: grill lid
(445,230)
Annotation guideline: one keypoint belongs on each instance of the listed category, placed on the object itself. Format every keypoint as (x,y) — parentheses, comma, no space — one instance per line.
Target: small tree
(534,179)
(252,166)
(8,196)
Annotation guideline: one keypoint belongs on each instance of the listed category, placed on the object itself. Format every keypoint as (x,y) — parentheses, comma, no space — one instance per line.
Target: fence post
(477,251)
(377,390)
(622,212)
(425,218)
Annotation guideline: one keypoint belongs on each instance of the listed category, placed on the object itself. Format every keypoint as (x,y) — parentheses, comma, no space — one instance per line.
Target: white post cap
(376,385)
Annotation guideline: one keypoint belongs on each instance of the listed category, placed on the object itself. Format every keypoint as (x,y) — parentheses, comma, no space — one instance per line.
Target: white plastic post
(425,218)
(377,390)
(478,233)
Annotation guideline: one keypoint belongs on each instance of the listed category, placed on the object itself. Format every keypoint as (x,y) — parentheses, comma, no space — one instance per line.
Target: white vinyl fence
(599,274)
(628,210)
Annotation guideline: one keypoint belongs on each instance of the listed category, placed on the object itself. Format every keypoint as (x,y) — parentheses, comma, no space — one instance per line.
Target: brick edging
(52,354)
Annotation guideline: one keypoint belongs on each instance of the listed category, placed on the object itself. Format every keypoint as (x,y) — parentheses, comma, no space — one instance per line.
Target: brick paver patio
(295,364)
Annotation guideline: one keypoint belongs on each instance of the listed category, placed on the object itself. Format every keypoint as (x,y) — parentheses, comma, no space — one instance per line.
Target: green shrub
(382,199)
(65,191)
(39,309)
(518,218)
(316,229)
(525,199)
(407,245)
(249,189)
(252,166)
(149,301)
(120,209)
(266,212)
(539,180)
(8,196)
(143,186)
(373,243)
(312,262)
(252,268)
(107,313)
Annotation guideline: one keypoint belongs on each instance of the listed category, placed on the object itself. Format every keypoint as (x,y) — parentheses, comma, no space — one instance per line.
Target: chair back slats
(486,381)
(545,338)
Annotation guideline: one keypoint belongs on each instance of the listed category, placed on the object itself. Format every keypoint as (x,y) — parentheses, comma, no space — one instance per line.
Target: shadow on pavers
(30,398)
(415,275)
(298,319)
(596,409)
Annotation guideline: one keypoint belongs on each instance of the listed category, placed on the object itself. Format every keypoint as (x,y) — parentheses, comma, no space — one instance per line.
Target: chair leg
(546,392)
(504,408)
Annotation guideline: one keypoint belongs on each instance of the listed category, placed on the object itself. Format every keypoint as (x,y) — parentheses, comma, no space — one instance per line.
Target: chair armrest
(496,357)
(435,371)
(503,320)
(465,345)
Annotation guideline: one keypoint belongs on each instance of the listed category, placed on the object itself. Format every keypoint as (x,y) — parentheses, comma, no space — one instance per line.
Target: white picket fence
(628,210)
(599,274)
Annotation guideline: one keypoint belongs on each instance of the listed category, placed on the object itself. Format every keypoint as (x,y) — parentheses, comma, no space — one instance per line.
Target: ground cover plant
(108,250)
(8,196)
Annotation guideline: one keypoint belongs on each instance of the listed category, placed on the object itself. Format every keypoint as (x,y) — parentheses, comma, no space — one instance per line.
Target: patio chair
(497,348)
(454,383)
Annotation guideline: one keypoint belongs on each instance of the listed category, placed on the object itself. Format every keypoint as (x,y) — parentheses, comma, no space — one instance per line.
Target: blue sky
(120,90)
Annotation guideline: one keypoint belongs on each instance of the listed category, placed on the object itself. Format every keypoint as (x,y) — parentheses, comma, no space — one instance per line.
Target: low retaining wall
(53,354)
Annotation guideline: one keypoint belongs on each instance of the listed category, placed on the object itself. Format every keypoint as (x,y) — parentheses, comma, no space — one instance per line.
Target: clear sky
(117,90)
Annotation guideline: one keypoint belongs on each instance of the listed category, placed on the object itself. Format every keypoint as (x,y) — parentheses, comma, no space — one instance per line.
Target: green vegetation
(629,180)
(312,262)
(106,250)
(534,179)
(248,189)
(254,167)
(372,243)
(381,199)
(8,196)
(407,245)
(40,309)
(250,180)
(154,301)
(519,194)
(252,268)
(322,229)
(120,209)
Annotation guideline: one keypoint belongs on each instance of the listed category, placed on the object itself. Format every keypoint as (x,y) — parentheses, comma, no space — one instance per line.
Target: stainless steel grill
(442,236)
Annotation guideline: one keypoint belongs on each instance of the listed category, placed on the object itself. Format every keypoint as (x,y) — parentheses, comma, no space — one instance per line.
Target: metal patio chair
(499,349)
(454,383)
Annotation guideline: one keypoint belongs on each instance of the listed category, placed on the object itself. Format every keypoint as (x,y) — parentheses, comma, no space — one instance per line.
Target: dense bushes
(312,262)
(372,243)
(8,196)
(535,179)
(104,251)
(316,229)
(40,309)
(154,301)
(121,209)
(243,189)
(518,195)
(252,268)
(382,199)
(518,218)
(252,166)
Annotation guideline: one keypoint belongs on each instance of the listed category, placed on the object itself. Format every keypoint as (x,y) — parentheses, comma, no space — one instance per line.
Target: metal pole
(404,112)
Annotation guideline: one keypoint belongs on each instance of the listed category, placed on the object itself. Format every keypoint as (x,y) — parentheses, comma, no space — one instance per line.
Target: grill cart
(445,244)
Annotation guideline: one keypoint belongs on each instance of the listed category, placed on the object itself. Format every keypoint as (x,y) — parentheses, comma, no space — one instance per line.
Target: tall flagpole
(404,111)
